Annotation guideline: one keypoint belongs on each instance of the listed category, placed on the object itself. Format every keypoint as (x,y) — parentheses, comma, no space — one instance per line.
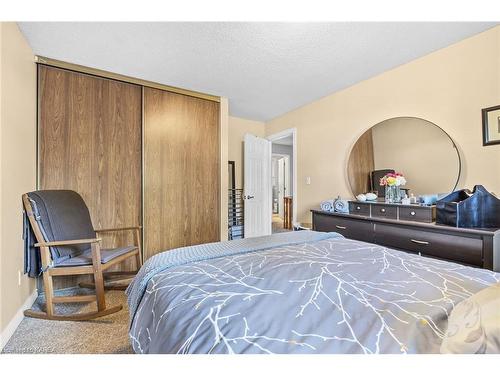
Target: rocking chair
(69,245)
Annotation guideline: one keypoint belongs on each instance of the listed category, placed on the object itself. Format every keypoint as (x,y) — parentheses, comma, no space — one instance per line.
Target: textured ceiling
(265,69)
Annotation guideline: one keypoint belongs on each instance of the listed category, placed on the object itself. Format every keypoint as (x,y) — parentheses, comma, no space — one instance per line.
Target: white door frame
(275,137)
(287,187)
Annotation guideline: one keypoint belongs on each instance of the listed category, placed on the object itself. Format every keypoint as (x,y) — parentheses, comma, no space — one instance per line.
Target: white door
(281,186)
(288,167)
(257,186)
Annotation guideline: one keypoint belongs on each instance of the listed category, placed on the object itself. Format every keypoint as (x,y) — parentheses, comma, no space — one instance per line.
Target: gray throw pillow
(474,324)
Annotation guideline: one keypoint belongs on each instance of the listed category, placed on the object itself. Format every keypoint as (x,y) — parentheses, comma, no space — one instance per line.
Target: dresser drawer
(445,246)
(385,211)
(421,214)
(350,228)
(362,209)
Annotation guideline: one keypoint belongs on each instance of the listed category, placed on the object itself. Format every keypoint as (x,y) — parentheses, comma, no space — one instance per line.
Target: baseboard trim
(16,320)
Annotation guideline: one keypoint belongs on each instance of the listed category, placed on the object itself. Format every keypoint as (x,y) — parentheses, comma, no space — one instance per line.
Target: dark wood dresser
(473,247)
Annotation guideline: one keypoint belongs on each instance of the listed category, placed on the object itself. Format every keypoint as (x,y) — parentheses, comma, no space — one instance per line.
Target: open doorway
(283,174)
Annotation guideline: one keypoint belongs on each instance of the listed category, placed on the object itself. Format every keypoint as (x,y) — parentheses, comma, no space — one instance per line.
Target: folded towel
(341,205)
(327,205)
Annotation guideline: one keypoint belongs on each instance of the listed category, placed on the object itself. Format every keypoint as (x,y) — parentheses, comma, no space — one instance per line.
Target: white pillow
(474,324)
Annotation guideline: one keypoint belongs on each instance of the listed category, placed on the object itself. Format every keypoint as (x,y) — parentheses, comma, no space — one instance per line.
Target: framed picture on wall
(491,125)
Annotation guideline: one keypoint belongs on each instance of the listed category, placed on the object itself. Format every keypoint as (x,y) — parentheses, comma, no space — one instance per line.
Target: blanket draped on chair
(61,215)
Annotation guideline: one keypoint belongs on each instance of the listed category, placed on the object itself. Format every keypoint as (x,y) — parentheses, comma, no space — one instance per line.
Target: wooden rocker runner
(67,244)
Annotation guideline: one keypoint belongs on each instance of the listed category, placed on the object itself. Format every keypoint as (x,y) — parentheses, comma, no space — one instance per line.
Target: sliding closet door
(181,171)
(90,142)
(361,163)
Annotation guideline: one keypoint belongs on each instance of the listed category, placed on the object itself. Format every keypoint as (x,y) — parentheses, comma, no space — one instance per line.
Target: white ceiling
(265,69)
(285,141)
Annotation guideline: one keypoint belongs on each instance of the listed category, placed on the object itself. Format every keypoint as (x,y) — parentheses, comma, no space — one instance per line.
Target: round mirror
(420,150)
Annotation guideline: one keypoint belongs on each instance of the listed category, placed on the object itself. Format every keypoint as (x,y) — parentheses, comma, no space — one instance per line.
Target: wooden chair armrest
(116,229)
(67,242)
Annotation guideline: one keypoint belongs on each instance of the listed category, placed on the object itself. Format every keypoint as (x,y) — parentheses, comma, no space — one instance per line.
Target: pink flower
(392,179)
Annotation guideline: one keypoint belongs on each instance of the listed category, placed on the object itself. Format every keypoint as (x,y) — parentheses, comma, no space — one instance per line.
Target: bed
(297,292)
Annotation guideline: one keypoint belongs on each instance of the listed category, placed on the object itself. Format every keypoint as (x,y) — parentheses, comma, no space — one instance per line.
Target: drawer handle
(382,210)
(358,208)
(340,227)
(419,242)
(412,213)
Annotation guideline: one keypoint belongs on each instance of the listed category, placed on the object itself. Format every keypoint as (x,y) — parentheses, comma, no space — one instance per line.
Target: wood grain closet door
(90,142)
(361,163)
(181,171)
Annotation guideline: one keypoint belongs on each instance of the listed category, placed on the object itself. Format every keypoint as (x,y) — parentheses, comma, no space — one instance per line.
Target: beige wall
(238,127)
(18,162)
(448,87)
(418,149)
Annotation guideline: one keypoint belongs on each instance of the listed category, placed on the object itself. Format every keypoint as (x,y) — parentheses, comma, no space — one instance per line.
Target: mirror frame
(403,117)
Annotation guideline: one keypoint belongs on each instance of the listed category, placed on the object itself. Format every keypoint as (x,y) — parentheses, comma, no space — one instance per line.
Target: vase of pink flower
(392,183)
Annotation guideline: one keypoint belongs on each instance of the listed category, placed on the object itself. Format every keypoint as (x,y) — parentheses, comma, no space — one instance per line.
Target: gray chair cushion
(85,258)
(375,180)
(62,215)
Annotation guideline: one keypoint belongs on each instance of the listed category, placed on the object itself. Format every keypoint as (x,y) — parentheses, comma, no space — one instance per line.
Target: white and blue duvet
(298,292)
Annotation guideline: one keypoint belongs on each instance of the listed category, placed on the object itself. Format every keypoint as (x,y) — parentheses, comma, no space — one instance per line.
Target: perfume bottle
(413,199)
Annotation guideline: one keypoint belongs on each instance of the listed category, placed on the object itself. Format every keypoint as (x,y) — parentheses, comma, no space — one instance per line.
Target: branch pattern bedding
(297,292)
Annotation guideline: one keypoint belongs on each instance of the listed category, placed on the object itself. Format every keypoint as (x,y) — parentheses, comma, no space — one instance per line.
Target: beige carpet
(108,334)
(278,225)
